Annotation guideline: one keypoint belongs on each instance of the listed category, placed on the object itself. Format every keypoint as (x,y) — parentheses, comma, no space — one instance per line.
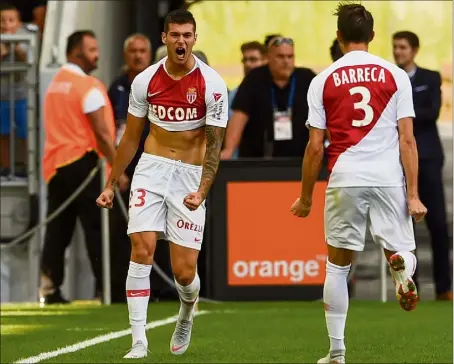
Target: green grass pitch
(247,332)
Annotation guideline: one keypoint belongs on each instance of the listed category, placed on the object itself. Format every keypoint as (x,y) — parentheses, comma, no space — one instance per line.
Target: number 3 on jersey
(140,197)
(362,105)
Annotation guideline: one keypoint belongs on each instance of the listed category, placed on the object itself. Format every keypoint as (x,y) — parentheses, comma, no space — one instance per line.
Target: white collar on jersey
(196,64)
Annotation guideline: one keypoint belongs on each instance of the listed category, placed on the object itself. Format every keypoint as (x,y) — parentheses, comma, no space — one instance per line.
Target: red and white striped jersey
(198,99)
(360,99)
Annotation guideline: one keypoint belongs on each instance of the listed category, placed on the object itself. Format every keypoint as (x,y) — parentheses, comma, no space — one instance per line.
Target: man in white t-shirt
(186,102)
(365,103)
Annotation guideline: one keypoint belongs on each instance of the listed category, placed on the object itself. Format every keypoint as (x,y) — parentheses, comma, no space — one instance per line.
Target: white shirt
(198,99)
(360,99)
(94,99)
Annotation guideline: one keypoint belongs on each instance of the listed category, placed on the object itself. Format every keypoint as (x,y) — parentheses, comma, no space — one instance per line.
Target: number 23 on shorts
(137,198)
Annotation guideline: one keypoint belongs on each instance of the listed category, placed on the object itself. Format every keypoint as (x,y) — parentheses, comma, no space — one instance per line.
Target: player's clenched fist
(301,208)
(193,200)
(416,209)
(106,198)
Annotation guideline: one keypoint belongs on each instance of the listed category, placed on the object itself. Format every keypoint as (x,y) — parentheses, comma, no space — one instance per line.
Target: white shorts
(158,189)
(349,210)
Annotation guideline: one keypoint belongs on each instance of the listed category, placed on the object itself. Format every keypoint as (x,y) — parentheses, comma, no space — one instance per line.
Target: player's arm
(216,121)
(313,156)
(93,107)
(103,138)
(135,122)
(409,156)
(407,143)
(312,163)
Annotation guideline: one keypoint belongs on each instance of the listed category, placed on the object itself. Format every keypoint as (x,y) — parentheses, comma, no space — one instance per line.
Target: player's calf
(189,294)
(335,297)
(402,267)
(138,290)
(187,282)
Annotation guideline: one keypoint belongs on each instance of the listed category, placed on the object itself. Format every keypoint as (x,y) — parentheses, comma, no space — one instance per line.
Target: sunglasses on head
(282,40)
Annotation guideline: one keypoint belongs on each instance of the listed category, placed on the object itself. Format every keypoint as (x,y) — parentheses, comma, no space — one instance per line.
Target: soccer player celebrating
(366,105)
(186,102)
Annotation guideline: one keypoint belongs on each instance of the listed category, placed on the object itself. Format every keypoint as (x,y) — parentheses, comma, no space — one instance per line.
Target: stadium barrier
(15,68)
(28,68)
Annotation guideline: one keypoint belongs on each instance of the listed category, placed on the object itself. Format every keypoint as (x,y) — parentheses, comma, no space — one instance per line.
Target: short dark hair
(75,40)
(7,6)
(179,16)
(354,23)
(253,46)
(335,51)
(269,37)
(411,38)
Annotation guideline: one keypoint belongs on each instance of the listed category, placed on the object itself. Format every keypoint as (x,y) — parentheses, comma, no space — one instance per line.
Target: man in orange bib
(79,127)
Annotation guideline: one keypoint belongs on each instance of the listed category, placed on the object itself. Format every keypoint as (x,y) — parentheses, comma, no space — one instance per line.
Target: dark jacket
(426,86)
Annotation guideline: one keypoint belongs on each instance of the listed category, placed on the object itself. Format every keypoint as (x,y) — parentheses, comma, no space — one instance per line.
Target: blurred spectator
(270,108)
(11,24)
(79,124)
(426,86)
(254,54)
(335,50)
(160,53)
(269,38)
(32,12)
(266,43)
(202,56)
(137,57)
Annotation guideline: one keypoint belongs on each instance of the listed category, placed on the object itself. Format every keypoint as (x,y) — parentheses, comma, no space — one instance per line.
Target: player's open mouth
(180,52)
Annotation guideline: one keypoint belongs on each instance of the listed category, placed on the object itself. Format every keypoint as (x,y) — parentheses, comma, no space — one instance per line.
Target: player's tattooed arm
(114,183)
(214,140)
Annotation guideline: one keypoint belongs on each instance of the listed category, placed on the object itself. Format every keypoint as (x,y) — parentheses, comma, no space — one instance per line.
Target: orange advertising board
(266,243)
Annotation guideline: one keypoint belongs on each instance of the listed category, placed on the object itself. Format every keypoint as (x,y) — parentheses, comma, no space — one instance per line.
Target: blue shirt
(119,97)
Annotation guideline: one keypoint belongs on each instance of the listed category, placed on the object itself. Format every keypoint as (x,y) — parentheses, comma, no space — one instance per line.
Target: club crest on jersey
(191,94)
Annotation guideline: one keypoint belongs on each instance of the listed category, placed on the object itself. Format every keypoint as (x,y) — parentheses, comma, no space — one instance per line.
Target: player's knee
(184,274)
(142,248)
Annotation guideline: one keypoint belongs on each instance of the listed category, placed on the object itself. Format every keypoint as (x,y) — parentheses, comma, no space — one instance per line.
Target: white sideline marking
(99,339)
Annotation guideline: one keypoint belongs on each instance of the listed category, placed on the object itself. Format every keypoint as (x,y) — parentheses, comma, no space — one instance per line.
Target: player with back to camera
(186,102)
(366,104)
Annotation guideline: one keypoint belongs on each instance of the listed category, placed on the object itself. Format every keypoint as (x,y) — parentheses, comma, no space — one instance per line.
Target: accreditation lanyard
(283,119)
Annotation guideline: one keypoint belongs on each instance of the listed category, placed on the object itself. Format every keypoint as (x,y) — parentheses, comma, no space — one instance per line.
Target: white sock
(138,294)
(188,297)
(410,262)
(335,297)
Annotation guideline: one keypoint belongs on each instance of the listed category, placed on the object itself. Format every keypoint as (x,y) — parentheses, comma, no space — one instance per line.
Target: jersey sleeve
(93,101)
(217,102)
(316,117)
(405,108)
(138,104)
